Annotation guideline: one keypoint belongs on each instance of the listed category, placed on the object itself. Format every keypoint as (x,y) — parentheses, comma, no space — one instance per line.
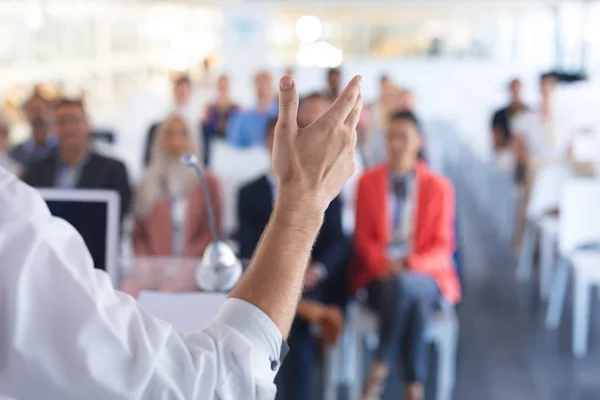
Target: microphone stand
(219,269)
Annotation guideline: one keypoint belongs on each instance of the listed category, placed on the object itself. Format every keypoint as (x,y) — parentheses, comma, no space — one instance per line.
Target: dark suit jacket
(99,172)
(255,204)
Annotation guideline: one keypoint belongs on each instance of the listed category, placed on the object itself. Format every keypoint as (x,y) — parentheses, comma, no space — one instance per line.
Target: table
(166,287)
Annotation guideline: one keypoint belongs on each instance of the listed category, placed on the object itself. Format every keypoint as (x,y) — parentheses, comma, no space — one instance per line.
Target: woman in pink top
(171,217)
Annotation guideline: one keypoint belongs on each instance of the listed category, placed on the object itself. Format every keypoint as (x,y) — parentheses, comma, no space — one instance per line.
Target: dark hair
(384,78)
(66,102)
(334,71)
(271,125)
(514,81)
(412,118)
(182,80)
(406,116)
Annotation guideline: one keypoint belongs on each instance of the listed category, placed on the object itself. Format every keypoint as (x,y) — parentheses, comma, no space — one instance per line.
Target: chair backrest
(579,214)
(187,312)
(234,168)
(547,189)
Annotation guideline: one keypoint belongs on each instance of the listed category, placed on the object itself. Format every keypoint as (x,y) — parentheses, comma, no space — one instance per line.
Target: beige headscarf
(166,176)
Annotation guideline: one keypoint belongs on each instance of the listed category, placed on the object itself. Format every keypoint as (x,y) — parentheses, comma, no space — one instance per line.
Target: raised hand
(314,163)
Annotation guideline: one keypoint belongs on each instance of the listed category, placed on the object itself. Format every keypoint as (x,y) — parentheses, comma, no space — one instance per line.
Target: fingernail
(285,83)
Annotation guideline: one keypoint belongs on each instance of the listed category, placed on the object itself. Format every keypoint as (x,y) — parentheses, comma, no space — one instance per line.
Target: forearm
(274,278)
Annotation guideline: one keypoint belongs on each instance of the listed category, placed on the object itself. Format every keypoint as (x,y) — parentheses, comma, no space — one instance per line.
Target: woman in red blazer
(403,241)
(171,217)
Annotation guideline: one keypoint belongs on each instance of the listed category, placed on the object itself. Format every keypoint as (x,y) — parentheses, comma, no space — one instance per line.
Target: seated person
(217,115)
(171,217)
(502,119)
(403,243)
(38,111)
(182,104)
(248,128)
(255,204)
(6,161)
(75,165)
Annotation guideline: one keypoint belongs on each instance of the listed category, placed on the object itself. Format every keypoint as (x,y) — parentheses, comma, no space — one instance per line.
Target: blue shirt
(249,128)
(28,151)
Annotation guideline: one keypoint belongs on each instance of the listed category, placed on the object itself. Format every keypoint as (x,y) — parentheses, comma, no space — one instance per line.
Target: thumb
(288,102)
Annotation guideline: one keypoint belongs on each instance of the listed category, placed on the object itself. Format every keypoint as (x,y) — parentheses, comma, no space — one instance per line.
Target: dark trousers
(404,304)
(294,377)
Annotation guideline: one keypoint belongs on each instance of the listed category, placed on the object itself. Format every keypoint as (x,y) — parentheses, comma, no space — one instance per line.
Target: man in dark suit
(74,164)
(327,268)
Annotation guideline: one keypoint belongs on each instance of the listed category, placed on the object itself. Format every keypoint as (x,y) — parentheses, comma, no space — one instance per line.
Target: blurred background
(133,63)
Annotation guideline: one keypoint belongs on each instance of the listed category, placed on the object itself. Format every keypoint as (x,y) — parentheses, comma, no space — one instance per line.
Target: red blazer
(433,233)
(153,235)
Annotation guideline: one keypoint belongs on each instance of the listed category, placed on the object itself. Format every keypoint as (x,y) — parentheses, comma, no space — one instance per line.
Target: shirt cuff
(258,329)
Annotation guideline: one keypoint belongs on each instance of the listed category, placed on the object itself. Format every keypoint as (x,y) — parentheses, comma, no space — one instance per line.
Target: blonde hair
(166,176)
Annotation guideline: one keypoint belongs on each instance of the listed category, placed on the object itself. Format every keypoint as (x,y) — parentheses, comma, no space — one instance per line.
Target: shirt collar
(77,166)
(400,184)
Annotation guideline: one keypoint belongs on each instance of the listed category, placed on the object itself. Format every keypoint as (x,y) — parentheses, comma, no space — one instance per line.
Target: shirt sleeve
(66,333)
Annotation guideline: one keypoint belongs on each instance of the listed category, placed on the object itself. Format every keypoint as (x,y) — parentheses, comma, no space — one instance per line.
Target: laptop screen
(90,220)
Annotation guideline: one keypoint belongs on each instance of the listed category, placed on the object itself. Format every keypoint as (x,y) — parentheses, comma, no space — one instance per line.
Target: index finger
(345,102)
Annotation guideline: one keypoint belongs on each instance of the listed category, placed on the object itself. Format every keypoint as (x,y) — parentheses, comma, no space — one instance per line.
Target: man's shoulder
(105,161)
(42,163)
(254,185)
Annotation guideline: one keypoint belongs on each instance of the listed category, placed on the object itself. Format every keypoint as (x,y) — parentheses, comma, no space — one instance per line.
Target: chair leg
(557,294)
(526,256)
(581,314)
(546,263)
(447,348)
(355,359)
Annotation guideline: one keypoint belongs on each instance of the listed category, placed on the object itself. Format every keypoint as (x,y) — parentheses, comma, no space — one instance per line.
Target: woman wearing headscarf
(171,217)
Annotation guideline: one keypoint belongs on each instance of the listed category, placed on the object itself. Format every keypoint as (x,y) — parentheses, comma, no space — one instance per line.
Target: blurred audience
(217,116)
(171,217)
(537,142)
(503,118)
(39,114)
(74,164)
(334,84)
(403,243)
(255,204)
(6,161)
(248,128)
(393,99)
(182,105)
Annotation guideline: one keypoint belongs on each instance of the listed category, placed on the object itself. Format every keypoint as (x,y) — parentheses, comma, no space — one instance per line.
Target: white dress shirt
(65,333)
(546,138)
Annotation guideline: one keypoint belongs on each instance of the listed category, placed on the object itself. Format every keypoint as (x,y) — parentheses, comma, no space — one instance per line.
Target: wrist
(300,210)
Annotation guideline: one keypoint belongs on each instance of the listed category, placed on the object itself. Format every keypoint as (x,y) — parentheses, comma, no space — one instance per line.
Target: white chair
(579,235)
(545,196)
(234,168)
(362,327)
